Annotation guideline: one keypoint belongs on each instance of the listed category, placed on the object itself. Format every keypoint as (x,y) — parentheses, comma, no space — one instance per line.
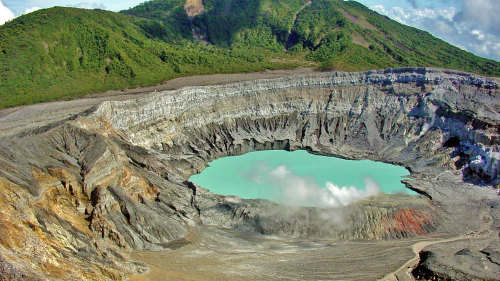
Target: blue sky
(20,6)
(473,25)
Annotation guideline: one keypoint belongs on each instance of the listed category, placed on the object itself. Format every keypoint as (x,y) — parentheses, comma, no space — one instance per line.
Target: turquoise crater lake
(301,179)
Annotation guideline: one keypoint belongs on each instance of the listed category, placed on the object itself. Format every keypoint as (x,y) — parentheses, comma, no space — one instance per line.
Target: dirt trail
(404,272)
(409,265)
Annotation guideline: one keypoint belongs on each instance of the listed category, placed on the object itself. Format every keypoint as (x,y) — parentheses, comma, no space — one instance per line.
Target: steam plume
(289,188)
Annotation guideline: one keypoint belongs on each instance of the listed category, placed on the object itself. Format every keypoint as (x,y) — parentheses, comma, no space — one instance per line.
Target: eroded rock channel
(79,195)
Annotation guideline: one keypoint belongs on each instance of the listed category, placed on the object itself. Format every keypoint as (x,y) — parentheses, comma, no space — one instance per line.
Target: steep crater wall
(415,117)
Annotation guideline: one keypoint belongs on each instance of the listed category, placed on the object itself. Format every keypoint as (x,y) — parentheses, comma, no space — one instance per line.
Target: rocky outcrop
(90,189)
(459,261)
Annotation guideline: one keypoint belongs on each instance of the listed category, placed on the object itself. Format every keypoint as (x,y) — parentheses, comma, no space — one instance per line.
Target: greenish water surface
(300,178)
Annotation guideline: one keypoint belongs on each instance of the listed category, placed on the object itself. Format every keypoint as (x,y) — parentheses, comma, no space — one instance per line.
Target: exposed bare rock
(193,8)
(77,196)
(477,260)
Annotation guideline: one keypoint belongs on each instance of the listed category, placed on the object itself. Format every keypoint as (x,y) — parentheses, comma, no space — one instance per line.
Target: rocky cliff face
(78,195)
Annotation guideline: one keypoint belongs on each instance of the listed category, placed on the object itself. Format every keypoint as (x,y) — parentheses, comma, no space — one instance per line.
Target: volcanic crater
(104,194)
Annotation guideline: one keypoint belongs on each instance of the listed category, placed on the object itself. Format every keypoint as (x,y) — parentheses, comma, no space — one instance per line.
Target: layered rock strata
(78,195)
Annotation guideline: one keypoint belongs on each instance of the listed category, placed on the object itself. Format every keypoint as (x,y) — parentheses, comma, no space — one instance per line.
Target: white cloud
(291,189)
(482,14)
(381,9)
(345,195)
(93,5)
(475,27)
(31,10)
(5,14)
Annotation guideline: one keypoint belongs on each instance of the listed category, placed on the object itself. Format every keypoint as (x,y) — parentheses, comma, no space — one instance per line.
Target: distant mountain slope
(62,53)
(340,34)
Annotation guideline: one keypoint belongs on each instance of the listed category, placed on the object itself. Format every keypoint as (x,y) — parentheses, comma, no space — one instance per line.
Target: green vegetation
(166,20)
(63,53)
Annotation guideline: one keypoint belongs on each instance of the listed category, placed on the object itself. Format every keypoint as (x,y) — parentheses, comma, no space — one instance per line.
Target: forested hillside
(63,53)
